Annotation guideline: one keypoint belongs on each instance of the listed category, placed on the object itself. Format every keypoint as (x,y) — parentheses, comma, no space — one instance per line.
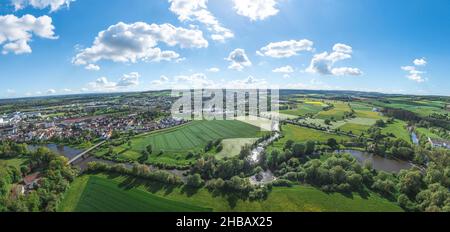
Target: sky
(58,47)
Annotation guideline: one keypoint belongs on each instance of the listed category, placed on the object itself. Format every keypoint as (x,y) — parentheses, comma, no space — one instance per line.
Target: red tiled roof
(31,178)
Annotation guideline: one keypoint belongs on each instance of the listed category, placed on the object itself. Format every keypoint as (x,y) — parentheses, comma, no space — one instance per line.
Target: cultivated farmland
(123,196)
(172,146)
(103,195)
(302,134)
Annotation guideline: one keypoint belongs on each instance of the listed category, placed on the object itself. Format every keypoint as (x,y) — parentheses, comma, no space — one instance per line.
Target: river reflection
(379,163)
(65,151)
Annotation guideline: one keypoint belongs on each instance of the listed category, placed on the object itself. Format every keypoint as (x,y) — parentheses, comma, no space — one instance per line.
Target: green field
(356,129)
(232,147)
(176,143)
(121,196)
(427,133)
(302,134)
(336,113)
(398,128)
(99,194)
(303,109)
(15,162)
(421,107)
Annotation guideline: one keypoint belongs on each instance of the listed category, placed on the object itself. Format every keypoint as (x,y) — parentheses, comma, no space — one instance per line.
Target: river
(414,138)
(379,163)
(70,153)
(65,151)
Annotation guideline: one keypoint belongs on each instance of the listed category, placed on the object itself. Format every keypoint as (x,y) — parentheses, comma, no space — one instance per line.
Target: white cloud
(67,90)
(200,80)
(92,67)
(346,71)
(51,91)
(138,42)
(420,62)
(197,10)
(127,81)
(239,60)
(10,92)
(102,84)
(162,80)
(213,70)
(41,4)
(16,33)
(323,63)
(248,83)
(286,49)
(285,69)
(414,74)
(256,9)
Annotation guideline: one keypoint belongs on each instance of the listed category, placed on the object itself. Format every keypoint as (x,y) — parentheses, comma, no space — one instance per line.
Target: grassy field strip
(356,129)
(398,128)
(263,123)
(362,121)
(302,134)
(122,194)
(232,147)
(104,195)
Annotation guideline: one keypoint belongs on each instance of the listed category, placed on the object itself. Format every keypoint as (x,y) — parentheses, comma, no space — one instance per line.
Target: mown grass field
(176,143)
(336,113)
(398,128)
(423,108)
(15,162)
(304,108)
(302,134)
(427,133)
(356,129)
(99,194)
(126,192)
(232,147)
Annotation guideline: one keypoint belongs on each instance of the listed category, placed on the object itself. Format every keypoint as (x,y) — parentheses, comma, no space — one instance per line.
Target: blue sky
(386,46)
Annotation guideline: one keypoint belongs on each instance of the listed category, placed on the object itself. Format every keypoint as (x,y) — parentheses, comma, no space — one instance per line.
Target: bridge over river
(86,152)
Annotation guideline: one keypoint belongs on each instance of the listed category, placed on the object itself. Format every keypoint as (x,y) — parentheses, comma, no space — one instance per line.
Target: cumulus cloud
(102,84)
(197,10)
(16,33)
(286,69)
(346,71)
(92,67)
(138,42)
(239,60)
(248,83)
(323,63)
(256,9)
(285,49)
(201,81)
(413,73)
(213,70)
(51,91)
(162,80)
(41,4)
(420,62)
(127,81)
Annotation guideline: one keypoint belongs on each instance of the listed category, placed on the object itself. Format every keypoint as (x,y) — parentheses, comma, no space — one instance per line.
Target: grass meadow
(102,193)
